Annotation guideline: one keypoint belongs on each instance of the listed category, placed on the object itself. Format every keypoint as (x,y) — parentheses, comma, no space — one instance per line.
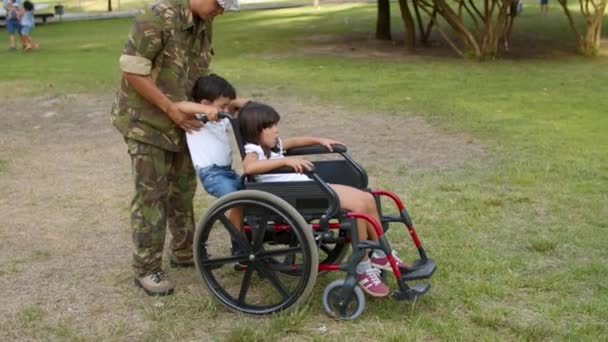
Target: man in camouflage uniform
(169,47)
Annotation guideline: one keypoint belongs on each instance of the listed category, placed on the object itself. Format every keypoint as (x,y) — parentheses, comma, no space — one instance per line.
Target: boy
(27,23)
(210,147)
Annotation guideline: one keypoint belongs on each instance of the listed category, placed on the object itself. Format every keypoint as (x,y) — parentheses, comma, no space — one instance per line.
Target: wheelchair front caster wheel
(340,305)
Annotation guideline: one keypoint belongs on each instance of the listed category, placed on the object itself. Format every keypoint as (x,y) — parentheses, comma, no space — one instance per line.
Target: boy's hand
(328,142)
(237,104)
(298,164)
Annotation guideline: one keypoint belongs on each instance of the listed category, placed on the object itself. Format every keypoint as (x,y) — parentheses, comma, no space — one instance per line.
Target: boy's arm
(253,166)
(190,107)
(307,141)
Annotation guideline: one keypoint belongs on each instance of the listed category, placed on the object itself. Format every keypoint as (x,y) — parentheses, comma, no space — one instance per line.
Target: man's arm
(182,113)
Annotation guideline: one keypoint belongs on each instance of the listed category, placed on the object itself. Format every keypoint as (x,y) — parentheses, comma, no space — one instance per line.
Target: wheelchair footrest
(421,269)
(412,292)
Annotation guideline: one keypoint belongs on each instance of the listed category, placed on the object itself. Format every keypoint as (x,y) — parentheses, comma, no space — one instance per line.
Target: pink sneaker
(383,264)
(370,282)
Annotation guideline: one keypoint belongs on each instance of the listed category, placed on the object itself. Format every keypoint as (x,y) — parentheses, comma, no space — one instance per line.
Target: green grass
(519,235)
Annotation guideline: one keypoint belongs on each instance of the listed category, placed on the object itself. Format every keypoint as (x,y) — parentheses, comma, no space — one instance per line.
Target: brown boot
(156,284)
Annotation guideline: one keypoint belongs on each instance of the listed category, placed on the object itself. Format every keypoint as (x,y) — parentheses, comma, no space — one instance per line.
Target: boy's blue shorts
(219,180)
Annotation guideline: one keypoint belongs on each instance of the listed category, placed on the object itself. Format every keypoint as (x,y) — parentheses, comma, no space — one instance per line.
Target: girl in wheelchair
(264,152)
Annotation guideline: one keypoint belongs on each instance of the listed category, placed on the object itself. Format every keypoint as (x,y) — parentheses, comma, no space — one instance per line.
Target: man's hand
(298,164)
(185,121)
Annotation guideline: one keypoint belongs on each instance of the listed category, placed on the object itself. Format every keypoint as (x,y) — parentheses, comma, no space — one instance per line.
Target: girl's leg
(360,201)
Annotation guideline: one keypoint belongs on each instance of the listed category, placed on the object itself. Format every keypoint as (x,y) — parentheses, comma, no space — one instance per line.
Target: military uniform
(174,48)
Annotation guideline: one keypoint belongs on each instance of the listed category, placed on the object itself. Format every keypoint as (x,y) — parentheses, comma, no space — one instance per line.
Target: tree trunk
(589,41)
(408,21)
(383,25)
(458,25)
(423,36)
(109,5)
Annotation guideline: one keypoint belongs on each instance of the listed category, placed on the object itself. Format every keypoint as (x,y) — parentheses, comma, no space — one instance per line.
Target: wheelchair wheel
(256,279)
(333,303)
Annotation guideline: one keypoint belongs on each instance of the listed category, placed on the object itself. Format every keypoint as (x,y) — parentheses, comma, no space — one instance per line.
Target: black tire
(331,302)
(253,282)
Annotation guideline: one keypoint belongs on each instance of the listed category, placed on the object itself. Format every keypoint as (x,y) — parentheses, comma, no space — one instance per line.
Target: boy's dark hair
(212,87)
(253,118)
(28,5)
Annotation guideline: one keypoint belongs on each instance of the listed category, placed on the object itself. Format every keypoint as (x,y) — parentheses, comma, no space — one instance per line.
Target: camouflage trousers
(165,183)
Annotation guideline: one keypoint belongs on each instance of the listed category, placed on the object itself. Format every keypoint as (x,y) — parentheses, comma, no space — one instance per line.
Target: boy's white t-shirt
(210,145)
(277,177)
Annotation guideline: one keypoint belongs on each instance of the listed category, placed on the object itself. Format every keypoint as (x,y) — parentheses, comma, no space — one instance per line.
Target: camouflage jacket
(174,48)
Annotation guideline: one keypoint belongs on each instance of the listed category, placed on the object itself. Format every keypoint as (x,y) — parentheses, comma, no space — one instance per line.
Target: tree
(408,21)
(593,13)
(489,22)
(383,24)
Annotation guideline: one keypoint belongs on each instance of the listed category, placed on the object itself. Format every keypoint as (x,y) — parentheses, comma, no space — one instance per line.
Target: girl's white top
(276,177)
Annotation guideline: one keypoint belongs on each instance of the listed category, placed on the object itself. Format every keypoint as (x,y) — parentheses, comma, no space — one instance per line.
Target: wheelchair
(292,233)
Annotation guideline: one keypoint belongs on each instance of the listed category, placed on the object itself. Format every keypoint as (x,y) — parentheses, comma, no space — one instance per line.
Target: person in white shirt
(210,147)
(264,152)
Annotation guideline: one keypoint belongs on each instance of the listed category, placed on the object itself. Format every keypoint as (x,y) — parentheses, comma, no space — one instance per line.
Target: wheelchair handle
(221,115)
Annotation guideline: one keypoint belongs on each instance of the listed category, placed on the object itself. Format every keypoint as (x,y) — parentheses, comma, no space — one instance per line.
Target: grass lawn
(519,234)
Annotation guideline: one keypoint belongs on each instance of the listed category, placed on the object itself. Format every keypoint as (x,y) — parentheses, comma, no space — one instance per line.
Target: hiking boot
(383,264)
(369,281)
(156,284)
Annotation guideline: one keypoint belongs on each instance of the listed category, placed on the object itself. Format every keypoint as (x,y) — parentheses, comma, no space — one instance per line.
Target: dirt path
(64,194)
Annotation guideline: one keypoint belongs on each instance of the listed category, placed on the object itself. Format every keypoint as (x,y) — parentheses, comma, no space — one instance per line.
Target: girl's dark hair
(253,118)
(212,87)
(28,5)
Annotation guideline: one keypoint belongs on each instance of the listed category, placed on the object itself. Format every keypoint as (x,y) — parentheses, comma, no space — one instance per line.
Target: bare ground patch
(358,45)
(64,193)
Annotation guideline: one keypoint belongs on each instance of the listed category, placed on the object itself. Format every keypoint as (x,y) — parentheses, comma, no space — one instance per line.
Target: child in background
(27,26)
(12,8)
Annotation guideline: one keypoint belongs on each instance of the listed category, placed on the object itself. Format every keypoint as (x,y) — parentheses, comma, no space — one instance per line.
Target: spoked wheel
(336,306)
(253,280)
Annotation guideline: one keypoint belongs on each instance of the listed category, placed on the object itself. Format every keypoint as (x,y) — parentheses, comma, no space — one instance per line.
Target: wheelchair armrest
(315,149)
(286,169)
